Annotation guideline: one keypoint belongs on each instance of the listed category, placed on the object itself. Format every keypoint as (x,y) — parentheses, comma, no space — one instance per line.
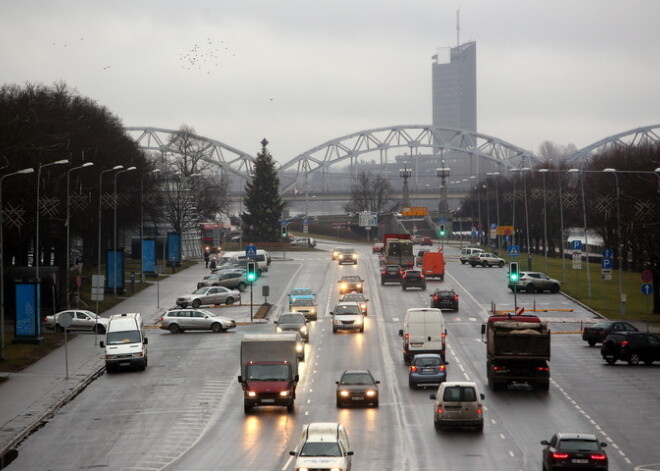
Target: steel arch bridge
(633,137)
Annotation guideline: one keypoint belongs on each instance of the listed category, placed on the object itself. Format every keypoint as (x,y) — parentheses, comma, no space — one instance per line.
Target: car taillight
(455,297)
(161,319)
(444,335)
(598,456)
(559,456)
(413,368)
(441,367)
(624,343)
(542,368)
(383,272)
(421,275)
(439,410)
(406,337)
(401,272)
(436,298)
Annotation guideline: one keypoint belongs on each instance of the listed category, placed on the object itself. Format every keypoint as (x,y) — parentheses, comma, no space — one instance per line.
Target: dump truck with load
(269,371)
(518,351)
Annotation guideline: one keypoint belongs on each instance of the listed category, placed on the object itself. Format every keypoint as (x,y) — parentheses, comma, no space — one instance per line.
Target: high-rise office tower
(454,77)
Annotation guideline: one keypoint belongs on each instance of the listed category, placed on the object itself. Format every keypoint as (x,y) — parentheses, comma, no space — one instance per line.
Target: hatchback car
(458,404)
(566,451)
(597,332)
(180,320)
(391,274)
(445,299)
(633,347)
(413,279)
(305,305)
(228,279)
(209,295)
(293,321)
(80,320)
(426,240)
(301,293)
(485,259)
(358,298)
(347,256)
(357,387)
(535,282)
(347,316)
(350,283)
(425,369)
(378,247)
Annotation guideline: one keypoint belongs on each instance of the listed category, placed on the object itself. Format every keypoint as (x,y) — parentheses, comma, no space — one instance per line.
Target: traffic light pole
(251,285)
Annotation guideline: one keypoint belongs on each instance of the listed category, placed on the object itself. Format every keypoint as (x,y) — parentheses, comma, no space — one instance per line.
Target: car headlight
(278,329)
(284,393)
(251,394)
(371,393)
(363,306)
(299,347)
(344,393)
(359,285)
(303,329)
(359,320)
(343,286)
(354,256)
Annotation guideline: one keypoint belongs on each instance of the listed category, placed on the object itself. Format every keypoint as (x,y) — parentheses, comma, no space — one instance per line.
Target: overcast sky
(303,72)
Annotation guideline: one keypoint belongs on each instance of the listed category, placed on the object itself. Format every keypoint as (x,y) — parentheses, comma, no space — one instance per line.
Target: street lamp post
(584,216)
(114,230)
(37,251)
(405,173)
(443,174)
(142,222)
(529,248)
(622,304)
(543,171)
(98,264)
(497,207)
(2,262)
(68,228)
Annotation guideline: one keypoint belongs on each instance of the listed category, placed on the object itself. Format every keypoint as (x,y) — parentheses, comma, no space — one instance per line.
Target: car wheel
(59,328)
(216,327)
(463,262)
(610,360)
(334,330)
(196,303)
(184,305)
(406,359)
(403,288)
(456,308)
(375,403)
(473,265)
(362,329)
(174,329)
(339,404)
(591,342)
(412,385)
(554,288)
(634,359)
(247,408)
(442,277)
(241,286)
(500,263)
(437,425)
(289,407)
(485,264)
(100,329)
(229,301)
(109,369)
(530,288)
(382,283)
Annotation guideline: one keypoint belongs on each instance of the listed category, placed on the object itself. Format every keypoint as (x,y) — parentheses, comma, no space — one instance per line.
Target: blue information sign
(513,250)
(608,253)
(647,288)
(250,250)
(576,245)
(606,263)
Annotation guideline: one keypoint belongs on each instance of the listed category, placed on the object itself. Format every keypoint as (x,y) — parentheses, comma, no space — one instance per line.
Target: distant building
(454,87)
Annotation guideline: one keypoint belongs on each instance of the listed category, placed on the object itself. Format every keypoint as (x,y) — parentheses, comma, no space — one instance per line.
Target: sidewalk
(29,398)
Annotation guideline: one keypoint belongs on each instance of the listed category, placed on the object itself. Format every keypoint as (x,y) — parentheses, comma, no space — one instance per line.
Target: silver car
(347,316)
(180,320)
(535,282)
(209,295)
(229,279)
(81,320)
(485,259)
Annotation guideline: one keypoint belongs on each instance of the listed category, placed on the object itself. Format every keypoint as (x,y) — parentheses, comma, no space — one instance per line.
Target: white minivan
(323,445)
(125,342)
(467,251)
(458,404)
(423,332)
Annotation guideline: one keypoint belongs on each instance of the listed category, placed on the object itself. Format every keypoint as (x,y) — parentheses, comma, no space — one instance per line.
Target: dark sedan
(565,451)
(425,369)
(391,274)
(596,333)
(293,321)
(444,299)
(633,347)
(357,387)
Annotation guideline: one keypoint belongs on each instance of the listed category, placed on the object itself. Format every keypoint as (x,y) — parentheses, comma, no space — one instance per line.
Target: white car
(209,295)
(81,320)
(323,445)
(347,315)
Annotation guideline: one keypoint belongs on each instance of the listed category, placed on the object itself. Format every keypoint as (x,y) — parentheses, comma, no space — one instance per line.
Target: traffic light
(284,232)
(442,230)
(251,271)
(513,272)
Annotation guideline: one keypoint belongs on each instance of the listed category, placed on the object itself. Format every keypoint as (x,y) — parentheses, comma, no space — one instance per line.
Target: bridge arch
(637,136)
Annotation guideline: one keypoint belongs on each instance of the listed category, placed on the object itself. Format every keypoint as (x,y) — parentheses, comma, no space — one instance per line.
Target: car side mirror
(482,396)
(545,442)
(376,382)
(145,341)
(296,378)
(400,332)
(603,444)
(349,453)
(292,453)
(336,382)
(483,329)
(432,396)
(332,313)
(102,344)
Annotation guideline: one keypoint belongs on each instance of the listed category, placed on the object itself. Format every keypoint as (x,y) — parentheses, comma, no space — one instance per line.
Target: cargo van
(262,258)
(423,332)
(433,265)
(323,445)
(125,342)
(458,404)
(467,251)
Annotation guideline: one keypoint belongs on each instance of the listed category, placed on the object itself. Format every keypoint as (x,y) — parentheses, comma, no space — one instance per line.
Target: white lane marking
(288,462)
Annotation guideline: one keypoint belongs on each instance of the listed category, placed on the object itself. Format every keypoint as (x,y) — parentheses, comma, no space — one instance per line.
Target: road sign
(65,319)
(305,221)
(504,230)
(513,250)
(305,229)
(606,273)
(577,260)
(647,288)
(608,253)
(646,276)
(415,211)
(606,263)
(576,245)
(250,250)
(283,222)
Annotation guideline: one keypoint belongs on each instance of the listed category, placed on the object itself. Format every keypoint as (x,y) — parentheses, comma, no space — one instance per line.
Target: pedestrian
(213,265)
(207,257)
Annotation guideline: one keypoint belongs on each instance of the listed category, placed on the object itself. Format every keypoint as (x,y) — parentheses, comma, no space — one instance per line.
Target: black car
(413,279)
(357,387)
(350,284)
(566,451)
(391,274)
(633,347)
(347,256)
(596,333)
(294,321)
(444,299)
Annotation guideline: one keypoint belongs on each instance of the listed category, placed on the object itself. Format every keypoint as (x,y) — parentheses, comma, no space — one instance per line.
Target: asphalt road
(185,412)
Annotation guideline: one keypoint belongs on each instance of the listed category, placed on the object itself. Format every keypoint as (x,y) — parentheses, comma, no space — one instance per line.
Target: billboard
(149,255)
(28,307)
(173,248)
(114,269)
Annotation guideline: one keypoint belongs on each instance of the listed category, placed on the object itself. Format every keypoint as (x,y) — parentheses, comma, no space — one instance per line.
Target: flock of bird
(204,56)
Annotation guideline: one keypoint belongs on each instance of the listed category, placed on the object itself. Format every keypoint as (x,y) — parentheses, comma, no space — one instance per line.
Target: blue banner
(149,255)
(115,278)
(173,247)
(28,307)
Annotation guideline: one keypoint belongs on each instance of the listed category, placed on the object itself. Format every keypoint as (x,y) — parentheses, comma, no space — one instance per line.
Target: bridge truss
(633,137)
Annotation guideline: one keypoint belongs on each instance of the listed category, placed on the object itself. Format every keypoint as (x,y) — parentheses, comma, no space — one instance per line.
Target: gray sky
(302,72)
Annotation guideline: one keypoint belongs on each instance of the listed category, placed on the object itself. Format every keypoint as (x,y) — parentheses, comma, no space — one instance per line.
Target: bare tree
(369,193)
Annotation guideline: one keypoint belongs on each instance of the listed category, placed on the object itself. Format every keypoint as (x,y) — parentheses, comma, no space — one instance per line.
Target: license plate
(427,370)
(416,344)
(268,401)
(357,398)
(580,461)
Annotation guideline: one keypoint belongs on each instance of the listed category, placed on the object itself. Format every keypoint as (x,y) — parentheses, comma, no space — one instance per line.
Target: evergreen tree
(263,204)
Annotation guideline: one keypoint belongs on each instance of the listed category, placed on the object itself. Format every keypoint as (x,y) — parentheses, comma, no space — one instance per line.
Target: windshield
(201,291)
(578,445)
(460,394)
(303,302)
(357,378)
(351,279)
(301,292)
(353,297)
(320,449)
(268,372)
(290,319)
(119,338)
(343,309)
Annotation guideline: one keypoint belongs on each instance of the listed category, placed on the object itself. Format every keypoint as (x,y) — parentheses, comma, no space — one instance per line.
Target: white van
(458,404)
(467,251)
(423,332)
(323,445)
(262,258)
(125,342)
